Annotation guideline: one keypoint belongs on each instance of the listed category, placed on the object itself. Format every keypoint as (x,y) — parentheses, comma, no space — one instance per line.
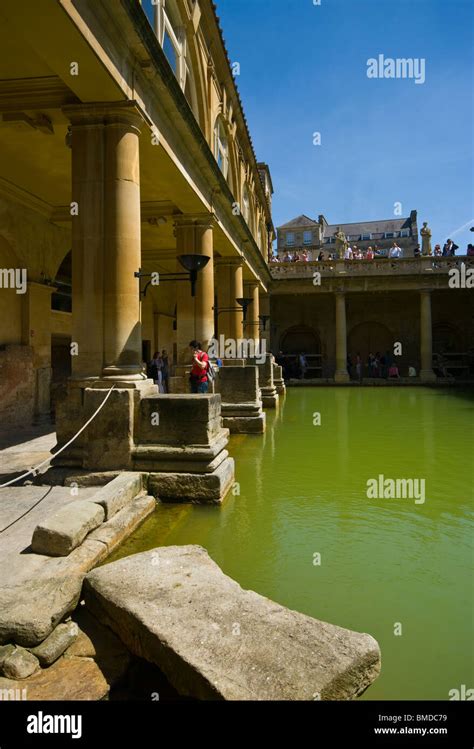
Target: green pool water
(303,492)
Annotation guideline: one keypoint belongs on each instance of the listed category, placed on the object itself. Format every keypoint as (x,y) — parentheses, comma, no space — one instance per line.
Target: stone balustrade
(378,267)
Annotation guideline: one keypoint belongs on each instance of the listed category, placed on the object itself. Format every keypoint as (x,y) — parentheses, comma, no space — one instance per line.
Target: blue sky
(304,70)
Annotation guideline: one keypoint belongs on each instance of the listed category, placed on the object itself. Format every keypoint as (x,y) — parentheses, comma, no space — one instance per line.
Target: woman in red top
(199,378)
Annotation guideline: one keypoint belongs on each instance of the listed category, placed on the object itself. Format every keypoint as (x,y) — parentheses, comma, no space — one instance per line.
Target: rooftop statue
(426,239)
(341,243)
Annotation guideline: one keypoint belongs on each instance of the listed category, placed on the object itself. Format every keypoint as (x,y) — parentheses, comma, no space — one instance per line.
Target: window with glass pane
(290,239)
(171,52)
(307,237)
(220,148)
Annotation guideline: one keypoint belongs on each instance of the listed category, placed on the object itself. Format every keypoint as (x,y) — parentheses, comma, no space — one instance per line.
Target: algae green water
(395,568)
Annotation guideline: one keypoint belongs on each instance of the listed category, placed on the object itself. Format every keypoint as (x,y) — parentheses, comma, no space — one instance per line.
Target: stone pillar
(229,288)
(264,304)
(341,374)
(252,324)
(122,257)
(426,338)
(195,315)
(36,332)
(106,253)
(88,165)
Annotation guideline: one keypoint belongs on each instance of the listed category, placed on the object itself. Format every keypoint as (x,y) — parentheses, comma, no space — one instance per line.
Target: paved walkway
(21,449)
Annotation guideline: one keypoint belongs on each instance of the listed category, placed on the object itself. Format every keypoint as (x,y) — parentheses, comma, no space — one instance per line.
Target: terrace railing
(425,265)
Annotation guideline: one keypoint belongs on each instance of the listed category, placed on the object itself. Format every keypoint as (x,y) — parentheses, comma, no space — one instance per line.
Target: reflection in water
(383,561)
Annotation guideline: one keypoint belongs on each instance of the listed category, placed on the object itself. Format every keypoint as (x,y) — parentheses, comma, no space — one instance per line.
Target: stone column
(252,325)
(88,146)
(36,332)
(341,374)
(195,315)
(229,288)
(426,338)
(122,256)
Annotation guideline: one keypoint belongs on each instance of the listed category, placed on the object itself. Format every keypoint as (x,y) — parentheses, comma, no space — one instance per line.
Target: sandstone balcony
(412,266)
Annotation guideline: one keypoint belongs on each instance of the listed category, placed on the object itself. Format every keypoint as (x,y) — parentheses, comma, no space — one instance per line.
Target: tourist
(321,257)
(411,372)
(348,254)
(304,256)
(393,372)
(370,254)
(470,250)
(359,367)
(437,250)
(395,251)
(287,258)
(449,249)
(155,371)
(199,378)
(349,365)
(165,371)
(303,365)
(383,367)
(296,258)
(376,365)
(417,251)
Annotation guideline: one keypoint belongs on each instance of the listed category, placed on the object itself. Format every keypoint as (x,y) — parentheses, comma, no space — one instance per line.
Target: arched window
(246,205)
(221,147)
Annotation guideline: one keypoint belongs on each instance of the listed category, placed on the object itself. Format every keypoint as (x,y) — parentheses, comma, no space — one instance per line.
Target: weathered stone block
(59,534)
(180,420)
(54,646)
(20,664)
(118,493)
(110,435)
(67,679)
(205,488)
(174,607)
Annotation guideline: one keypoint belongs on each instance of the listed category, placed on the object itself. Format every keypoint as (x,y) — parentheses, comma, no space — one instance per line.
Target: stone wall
(17,385)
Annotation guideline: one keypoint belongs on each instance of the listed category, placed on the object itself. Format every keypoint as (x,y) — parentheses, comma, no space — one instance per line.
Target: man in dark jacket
(450,248)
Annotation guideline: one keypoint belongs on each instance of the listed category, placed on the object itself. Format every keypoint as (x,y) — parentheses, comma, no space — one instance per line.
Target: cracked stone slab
(213,640)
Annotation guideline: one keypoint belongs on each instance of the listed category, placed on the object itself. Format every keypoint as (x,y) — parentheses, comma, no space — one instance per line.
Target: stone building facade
(304,233)
(124,145)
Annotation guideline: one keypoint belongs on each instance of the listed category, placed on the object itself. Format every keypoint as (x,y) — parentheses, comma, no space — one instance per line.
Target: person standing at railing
(449,249)
(395,251)
(370,254)
(321,257)
(348,254)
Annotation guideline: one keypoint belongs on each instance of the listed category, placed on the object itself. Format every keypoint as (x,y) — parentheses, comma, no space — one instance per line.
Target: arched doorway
(369,337)
(301,339)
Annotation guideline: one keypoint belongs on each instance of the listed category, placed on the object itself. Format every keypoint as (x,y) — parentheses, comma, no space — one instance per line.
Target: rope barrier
(34,470)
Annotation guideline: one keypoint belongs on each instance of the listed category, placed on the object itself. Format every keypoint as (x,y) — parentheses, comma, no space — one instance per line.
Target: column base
(106,444)
(196,488)
(270,397)
(427,375)
(243,418)
(342,378)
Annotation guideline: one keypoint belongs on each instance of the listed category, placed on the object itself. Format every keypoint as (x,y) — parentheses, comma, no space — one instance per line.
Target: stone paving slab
(213,640)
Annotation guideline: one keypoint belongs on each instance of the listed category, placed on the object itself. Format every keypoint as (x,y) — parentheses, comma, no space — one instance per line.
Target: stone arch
(300,338)
(61,299)
(369,336)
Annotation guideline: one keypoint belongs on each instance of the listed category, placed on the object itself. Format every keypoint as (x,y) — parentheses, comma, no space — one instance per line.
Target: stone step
(62,532)
(174,607)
